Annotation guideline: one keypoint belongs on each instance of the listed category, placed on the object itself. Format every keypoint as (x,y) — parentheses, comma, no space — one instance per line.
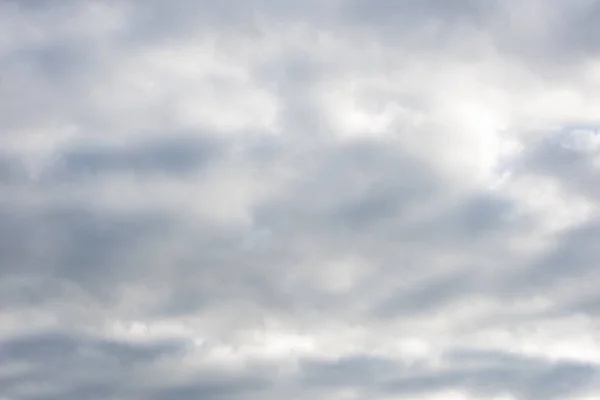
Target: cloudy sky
(265,199)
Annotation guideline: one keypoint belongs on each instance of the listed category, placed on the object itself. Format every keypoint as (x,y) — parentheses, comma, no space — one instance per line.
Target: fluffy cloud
(330,200)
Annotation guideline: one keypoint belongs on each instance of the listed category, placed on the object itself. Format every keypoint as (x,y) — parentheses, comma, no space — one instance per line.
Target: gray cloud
(339,200)
(58,365)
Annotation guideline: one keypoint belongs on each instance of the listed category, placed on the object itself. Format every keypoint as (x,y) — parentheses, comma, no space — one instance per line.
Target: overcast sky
(313,199)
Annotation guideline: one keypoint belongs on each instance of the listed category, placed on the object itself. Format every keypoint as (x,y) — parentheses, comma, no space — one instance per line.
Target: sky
(264,199)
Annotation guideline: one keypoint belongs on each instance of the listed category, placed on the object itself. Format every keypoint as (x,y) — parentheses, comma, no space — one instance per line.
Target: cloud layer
(327,200)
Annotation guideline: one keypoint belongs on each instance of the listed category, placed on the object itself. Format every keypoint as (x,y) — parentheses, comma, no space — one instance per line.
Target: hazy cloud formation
(264,199)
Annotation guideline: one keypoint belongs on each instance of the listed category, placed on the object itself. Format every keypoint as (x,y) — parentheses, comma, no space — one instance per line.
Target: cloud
(256,199)
(486,374)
